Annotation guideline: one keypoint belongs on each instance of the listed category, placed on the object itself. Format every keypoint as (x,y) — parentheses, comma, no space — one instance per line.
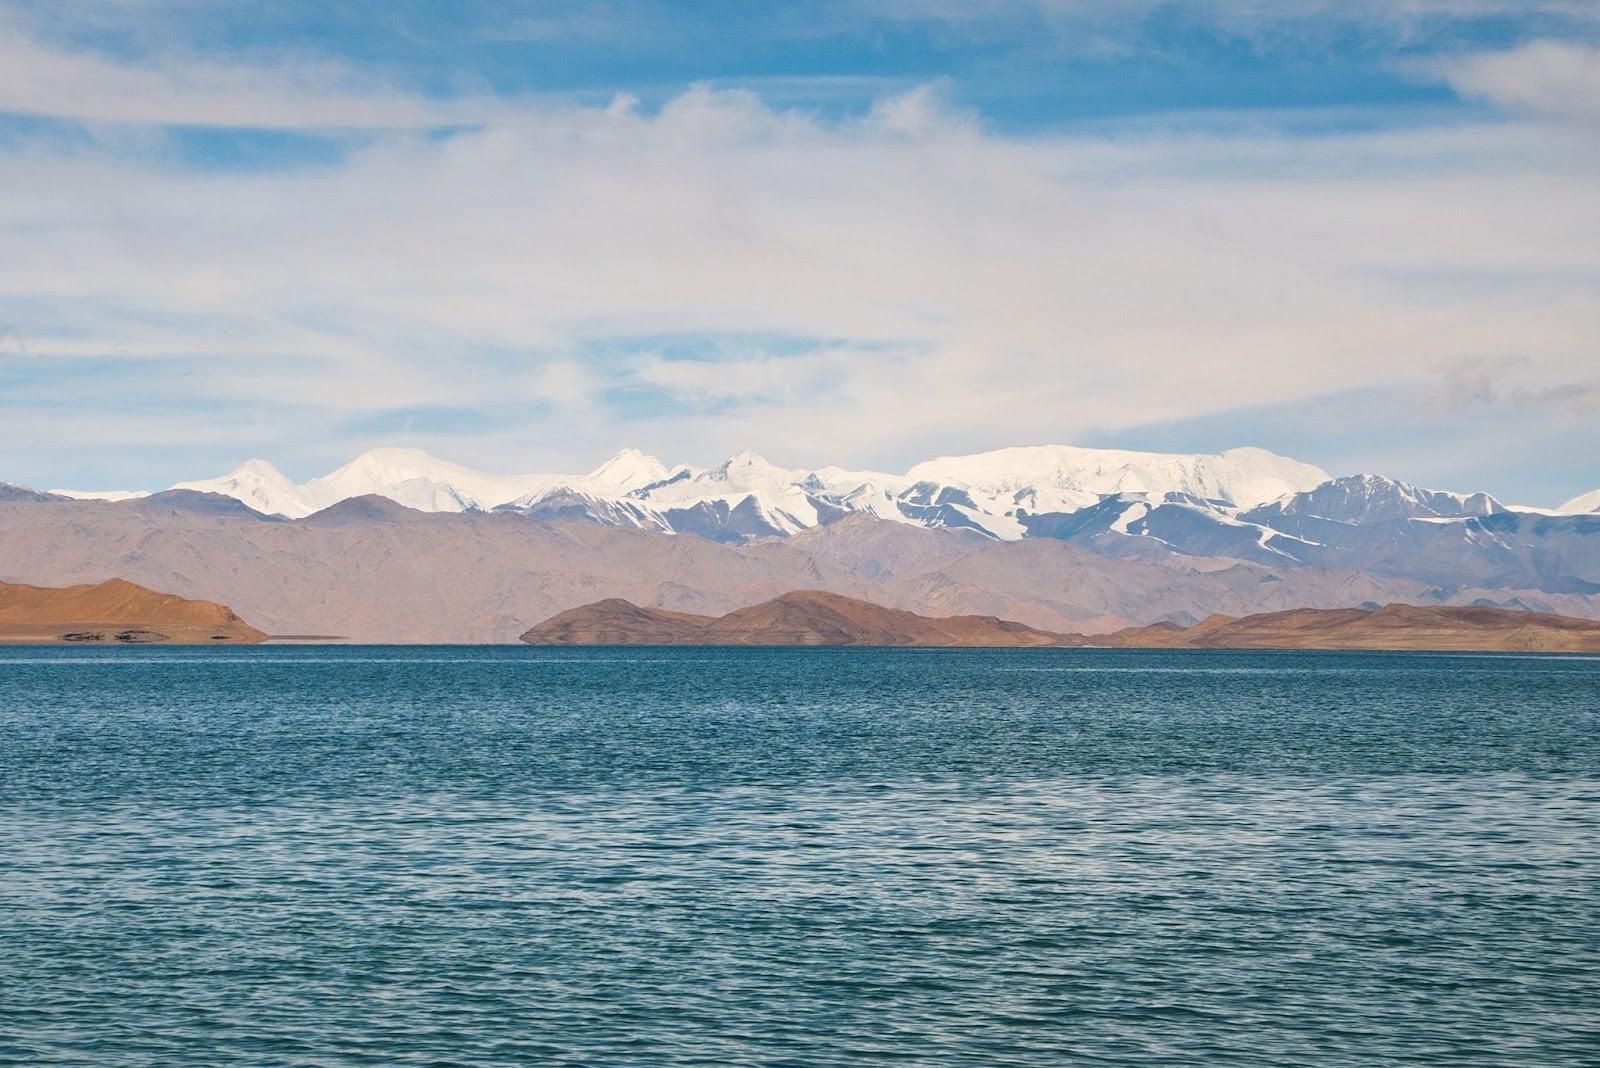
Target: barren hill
(114,611)
(614,621)
(804,617)
(1392,627)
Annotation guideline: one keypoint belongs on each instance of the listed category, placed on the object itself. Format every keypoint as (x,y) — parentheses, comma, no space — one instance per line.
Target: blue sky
(521,235)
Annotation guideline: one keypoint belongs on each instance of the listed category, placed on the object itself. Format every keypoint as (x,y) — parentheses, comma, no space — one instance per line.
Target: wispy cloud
(186,89)
(1103,24)
(1479,383)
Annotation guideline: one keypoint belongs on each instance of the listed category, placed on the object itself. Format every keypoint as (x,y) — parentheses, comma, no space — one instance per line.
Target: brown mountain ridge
(811,617)
(804,617)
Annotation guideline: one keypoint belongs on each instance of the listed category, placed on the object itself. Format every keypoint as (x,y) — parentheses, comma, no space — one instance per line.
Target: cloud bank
(529,282)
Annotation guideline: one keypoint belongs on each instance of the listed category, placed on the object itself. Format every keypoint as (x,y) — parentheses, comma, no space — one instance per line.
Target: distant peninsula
(812,618)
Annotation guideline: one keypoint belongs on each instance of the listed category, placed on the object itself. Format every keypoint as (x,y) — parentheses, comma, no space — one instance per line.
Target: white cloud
(1543,77)
(1028,288)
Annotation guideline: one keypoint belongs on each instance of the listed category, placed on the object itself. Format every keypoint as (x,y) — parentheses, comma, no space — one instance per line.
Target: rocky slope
(115,611)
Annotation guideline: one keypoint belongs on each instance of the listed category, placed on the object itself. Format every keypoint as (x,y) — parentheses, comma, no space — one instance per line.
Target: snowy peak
(630,469)
(409,477)
(258,469)
(259,485)
(417,480)
(1581,505)
(746,496)
(391,467)
(1250,476)
(744,473)
(749,470)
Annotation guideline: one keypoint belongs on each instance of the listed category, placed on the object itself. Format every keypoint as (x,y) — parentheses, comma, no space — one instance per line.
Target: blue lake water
(469,856)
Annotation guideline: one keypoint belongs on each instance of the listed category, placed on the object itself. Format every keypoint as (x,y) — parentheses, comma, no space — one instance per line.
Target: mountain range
(397,545)
(986,491)
(1006,494)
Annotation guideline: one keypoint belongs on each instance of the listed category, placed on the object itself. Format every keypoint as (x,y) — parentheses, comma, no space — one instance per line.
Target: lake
(506,856)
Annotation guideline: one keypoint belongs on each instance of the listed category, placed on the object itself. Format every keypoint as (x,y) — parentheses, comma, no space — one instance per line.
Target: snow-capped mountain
(1393,530)
(1179,522)
(1367,498)
(258,484)
(407,476)
(11,492)
(1210,507)
(1588,502)
(748,495)
(566,501)
(413,478)
(1054,478)
(1244,503)
(746,488)
(630,469)
(609,494)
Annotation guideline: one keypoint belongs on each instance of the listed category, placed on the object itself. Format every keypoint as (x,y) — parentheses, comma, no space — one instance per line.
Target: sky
(521,235)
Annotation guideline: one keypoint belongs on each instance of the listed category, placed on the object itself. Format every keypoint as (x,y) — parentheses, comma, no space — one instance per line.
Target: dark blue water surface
(469,856)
